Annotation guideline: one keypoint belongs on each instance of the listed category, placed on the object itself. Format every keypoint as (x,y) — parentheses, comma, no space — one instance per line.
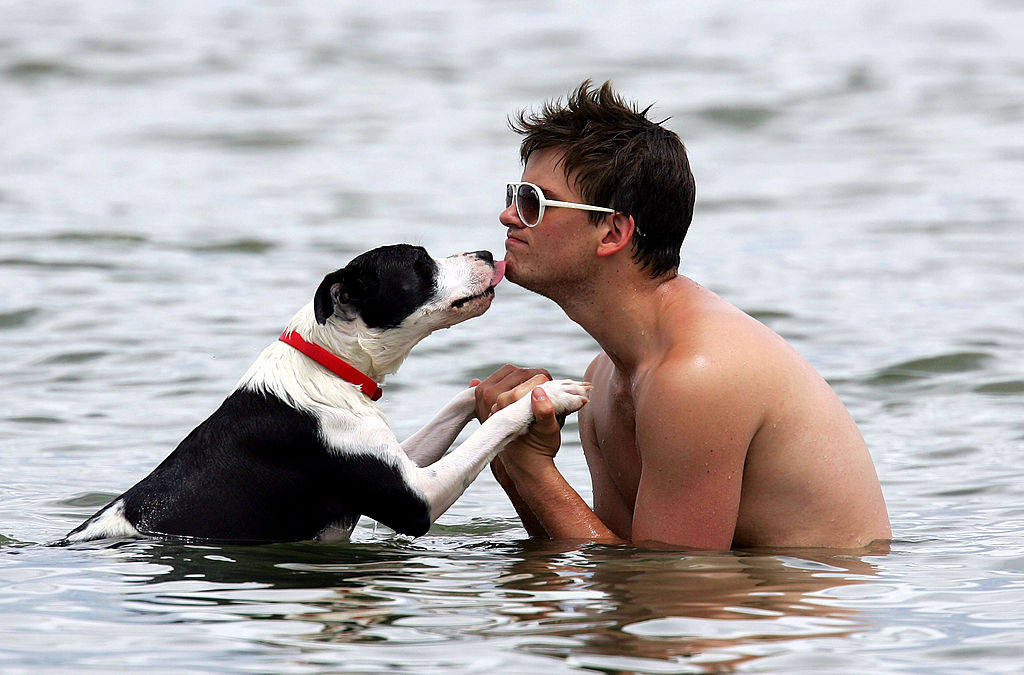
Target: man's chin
(512,273)
(521,277)
(524,281)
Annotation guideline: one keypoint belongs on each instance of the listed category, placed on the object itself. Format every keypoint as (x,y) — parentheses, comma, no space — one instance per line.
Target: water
(176,177)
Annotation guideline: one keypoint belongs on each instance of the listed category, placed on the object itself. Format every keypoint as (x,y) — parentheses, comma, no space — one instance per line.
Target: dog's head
(401,285)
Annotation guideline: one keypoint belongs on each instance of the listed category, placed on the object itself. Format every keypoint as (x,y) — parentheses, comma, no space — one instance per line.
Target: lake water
(175,178)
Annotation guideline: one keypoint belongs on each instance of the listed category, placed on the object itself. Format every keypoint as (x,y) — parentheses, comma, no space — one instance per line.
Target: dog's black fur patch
(257,470)
(378,286)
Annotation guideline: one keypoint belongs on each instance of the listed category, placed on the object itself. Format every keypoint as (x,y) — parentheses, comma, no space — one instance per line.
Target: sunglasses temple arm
(571,205)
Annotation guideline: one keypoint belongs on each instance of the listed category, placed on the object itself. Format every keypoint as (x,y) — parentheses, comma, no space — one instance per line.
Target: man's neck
(623,315)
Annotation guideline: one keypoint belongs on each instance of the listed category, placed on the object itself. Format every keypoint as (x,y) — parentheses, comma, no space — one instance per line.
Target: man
(705,429)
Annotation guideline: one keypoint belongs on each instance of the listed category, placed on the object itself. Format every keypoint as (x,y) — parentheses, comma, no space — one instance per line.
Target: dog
(299,450)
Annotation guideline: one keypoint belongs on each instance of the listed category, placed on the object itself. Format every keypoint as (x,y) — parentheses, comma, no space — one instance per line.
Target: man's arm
(692,438)
(546,503)
(530,522)
(540,487)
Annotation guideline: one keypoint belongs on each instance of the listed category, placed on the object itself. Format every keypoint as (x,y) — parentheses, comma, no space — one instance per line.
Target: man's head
(620,159)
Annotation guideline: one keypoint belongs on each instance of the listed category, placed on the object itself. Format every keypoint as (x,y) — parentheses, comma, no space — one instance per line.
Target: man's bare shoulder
(727,381)
(720,371)
(699,333)
(700,393)
(703,335)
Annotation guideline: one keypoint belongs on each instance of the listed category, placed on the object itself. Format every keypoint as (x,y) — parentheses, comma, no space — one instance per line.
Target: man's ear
(616,233)
(330,291)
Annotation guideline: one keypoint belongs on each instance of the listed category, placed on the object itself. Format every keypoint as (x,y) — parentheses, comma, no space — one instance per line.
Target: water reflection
(602,607)
(670,606)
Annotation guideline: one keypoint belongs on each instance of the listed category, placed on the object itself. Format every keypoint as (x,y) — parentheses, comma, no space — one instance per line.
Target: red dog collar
(333,364)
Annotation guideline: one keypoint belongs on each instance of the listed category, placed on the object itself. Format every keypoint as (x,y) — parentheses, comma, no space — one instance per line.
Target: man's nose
(510,218)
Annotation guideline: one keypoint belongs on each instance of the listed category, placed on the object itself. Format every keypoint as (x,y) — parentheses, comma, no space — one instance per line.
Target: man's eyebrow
(548,193)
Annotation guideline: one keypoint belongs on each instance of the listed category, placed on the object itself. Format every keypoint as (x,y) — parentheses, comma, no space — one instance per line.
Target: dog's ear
(341,292)
(324,299)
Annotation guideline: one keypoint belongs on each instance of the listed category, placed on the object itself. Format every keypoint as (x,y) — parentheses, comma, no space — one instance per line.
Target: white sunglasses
(530,203)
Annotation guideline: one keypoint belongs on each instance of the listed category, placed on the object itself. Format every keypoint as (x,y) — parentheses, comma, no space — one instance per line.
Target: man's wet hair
(622,160)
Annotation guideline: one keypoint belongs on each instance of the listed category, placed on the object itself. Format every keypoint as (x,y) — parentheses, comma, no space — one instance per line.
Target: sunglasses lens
(508,196)
(528,204)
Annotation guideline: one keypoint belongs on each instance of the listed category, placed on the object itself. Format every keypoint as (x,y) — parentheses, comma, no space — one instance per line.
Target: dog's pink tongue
(499,273)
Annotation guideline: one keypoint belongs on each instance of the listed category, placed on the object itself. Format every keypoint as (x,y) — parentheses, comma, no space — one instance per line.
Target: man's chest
(609,441)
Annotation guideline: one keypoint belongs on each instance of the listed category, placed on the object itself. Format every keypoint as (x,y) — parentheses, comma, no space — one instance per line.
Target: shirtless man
(705,429)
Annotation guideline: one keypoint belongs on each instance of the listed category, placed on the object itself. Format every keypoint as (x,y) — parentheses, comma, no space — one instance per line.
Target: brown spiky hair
(620,159)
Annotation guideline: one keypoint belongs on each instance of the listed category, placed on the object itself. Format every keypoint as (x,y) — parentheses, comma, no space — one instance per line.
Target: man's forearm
(553,503)
(526,516)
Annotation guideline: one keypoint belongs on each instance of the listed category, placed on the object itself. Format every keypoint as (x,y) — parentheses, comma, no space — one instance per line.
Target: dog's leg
(406,497)
(429,443)
(445,480)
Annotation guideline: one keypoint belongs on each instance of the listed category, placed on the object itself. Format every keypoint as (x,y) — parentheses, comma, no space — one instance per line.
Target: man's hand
(544,436)
(548,506)
(504,386)
(534,449)
(507,385)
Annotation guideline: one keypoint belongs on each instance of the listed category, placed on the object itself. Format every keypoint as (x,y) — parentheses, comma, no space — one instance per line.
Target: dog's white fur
(351,423)
(110,524)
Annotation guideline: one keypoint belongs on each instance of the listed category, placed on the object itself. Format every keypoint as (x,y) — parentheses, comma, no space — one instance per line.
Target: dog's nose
(485,256)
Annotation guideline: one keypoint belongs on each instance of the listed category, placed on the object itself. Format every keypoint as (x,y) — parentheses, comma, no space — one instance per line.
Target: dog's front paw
(567,396)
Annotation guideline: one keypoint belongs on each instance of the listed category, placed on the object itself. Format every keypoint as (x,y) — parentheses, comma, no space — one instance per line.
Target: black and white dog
(300,451)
